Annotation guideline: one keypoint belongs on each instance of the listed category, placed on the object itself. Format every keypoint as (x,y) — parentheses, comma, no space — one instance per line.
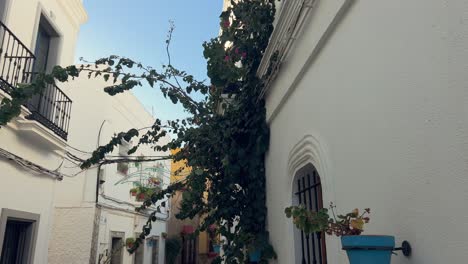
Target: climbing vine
(224,139)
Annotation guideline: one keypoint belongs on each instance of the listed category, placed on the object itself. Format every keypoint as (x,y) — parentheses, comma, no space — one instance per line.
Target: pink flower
(226,23)
(226,58)
(244,55)
(237,50)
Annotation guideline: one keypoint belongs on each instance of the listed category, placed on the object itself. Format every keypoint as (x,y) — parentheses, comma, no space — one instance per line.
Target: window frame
(310,194)
(157,240)
(45,18)
(10,214)
(4,7)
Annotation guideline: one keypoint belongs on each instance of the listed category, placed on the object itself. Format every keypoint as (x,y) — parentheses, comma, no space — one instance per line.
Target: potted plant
(214,238)
(133,191)
(216,245)
(362,249)
(129,242)
(122,168)
(258,248)
(154,180)
(141,197)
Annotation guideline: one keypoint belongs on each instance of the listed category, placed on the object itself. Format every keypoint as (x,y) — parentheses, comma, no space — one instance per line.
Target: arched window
(307,190)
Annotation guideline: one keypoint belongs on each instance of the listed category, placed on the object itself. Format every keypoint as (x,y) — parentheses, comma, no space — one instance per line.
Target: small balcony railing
(52,107)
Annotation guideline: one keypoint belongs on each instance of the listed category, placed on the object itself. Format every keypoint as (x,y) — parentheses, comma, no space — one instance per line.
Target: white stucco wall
(74,236)
(385,105)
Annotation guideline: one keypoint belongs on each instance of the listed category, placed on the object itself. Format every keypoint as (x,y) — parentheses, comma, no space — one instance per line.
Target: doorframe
(10,214)
(56,41)
(117,234)
(4,8)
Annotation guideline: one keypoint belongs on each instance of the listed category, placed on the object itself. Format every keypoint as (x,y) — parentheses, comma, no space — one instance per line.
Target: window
(308,192)
(155,250)
(18,232)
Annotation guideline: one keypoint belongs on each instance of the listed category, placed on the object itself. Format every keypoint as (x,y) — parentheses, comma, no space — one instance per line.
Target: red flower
(237,50)
(226,58)
(226,23)
(244,54)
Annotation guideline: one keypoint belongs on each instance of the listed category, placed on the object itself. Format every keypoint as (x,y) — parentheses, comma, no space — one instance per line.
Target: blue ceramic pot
(217,248)
(254,256)
(368,249)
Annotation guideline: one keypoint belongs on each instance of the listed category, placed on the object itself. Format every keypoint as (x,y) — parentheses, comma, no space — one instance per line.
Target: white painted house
(34,35)
(88,228)
(51,213)
(370,99)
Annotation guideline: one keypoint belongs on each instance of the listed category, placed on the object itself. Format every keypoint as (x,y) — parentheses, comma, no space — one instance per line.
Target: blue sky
(138,29)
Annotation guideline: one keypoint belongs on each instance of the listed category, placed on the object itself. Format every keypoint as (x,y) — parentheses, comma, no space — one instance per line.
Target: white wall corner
(304,48)
(75,11)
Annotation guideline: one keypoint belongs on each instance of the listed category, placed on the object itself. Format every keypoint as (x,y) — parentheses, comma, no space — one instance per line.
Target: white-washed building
(35,35)
(88,228)
(50,213)
(369,102)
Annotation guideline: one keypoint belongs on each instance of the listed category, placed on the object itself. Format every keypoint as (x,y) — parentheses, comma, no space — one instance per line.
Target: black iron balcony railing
(52,107)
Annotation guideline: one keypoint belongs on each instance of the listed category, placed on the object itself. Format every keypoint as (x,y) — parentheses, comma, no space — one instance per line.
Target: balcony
(52,107)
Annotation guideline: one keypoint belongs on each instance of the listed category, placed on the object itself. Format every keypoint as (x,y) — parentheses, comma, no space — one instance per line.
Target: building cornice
(75,11)
(288,25)
(316,40)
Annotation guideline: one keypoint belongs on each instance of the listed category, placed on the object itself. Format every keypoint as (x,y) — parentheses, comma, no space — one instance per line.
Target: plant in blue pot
(258,249)
(361,249)
(214,239)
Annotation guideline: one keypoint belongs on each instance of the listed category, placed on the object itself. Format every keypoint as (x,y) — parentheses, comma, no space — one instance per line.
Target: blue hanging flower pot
(368,249)
(217,249)
(254,256)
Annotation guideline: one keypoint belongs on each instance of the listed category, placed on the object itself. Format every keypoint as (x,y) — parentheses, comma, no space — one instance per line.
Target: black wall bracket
(405,248)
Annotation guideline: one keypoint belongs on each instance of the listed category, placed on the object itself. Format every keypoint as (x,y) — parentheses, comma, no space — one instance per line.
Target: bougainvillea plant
(340,225)
(223,141)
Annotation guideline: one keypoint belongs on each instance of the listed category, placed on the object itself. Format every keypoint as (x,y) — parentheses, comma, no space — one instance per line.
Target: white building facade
(34,35)
(50,212)
(90,230)
(369,100)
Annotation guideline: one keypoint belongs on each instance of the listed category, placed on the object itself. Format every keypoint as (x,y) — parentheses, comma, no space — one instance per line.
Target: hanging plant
(122,168)
(154,180)
(141,197)
(130,243)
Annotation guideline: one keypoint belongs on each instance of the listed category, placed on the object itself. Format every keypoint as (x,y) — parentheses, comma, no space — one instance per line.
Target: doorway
(117,247)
